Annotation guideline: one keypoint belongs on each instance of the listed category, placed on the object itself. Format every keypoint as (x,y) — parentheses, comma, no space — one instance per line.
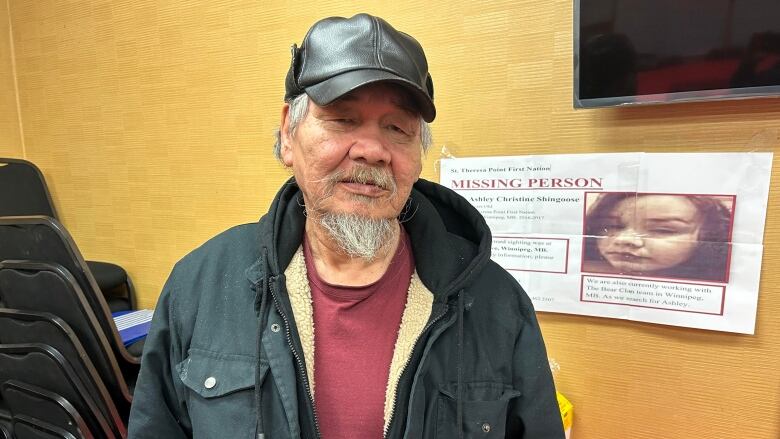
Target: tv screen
(654,51)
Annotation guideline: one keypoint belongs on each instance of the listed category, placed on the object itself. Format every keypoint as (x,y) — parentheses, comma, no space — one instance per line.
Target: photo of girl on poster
(675,236)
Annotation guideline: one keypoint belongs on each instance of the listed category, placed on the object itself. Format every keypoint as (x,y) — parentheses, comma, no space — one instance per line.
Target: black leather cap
(340,54)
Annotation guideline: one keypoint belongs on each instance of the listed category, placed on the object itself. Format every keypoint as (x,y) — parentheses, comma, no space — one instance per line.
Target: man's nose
(369,146)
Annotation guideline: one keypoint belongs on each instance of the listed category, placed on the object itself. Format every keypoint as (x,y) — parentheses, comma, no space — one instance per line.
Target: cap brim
(333,88)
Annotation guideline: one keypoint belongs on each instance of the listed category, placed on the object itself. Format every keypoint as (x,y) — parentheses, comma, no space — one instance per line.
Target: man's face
(359,155)
(650,233)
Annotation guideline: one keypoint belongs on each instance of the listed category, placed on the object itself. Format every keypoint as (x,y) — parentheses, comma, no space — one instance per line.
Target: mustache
(364,175)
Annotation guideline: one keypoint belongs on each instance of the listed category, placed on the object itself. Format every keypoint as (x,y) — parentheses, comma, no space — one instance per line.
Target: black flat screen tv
(657,51)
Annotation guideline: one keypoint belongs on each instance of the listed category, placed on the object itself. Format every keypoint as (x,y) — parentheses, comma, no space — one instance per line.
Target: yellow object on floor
(567,412)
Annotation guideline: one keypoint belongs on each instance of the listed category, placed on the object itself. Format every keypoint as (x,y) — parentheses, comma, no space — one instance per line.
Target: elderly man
(364,303)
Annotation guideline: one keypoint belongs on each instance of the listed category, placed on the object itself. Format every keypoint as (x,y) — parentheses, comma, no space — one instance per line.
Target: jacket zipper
(301,368)
(406,364)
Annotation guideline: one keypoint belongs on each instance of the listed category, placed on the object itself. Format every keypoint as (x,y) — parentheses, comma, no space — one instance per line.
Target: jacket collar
(450,239)
(280,233)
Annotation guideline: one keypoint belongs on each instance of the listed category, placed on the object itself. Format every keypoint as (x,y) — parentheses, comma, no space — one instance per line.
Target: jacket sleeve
(535,413)
(159,406)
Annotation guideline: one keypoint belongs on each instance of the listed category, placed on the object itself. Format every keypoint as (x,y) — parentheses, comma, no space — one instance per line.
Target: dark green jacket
(470,352)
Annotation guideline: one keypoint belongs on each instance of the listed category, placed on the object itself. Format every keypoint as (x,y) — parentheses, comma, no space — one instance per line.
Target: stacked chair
(23,191)
(64,370)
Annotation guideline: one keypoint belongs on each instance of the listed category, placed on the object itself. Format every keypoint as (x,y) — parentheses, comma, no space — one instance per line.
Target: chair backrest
(19,327)
(43,365)
(5,415)
(35,402)
(36,288)
(23,190)
(26,427)
(99,363)
(44,239)
(5,428)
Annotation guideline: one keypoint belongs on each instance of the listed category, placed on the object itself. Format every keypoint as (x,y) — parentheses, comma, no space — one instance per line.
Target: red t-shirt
(355,330)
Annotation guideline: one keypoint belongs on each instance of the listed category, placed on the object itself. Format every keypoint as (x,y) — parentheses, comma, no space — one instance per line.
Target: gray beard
(358,236)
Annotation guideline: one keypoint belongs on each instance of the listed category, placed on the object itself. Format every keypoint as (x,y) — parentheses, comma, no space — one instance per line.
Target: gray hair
(299,107)
(358,236)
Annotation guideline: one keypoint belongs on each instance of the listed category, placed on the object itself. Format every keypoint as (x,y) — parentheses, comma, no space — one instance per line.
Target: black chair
(23,191)
(49,288)
(6,426)
(26,427)
(47,368)
(97,363)
(43,239)
(27,400)
(5,415)
(19,327)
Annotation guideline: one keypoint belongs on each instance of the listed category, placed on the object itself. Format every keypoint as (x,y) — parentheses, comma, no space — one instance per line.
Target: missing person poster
(674,239)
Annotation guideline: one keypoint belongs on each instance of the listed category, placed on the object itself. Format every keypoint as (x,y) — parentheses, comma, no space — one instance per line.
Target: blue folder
(133,325)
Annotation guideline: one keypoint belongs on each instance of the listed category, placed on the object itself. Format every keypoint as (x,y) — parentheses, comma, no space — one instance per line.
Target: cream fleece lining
(299,291)
(419,302)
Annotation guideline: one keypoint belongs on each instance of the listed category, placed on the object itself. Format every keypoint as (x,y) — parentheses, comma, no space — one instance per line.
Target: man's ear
(284,136)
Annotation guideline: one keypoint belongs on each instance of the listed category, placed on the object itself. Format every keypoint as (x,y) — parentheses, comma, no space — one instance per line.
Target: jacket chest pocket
(221,393)
(484,406)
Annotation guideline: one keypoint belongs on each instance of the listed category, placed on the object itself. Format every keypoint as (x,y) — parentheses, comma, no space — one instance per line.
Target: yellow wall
(153,122)
(10,139)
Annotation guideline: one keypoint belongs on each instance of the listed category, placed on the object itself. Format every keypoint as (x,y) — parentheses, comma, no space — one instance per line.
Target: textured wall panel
(153,121)
(10,137)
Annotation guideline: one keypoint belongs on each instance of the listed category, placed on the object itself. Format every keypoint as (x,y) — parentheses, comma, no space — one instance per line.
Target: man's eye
(344,121)
(397,129)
